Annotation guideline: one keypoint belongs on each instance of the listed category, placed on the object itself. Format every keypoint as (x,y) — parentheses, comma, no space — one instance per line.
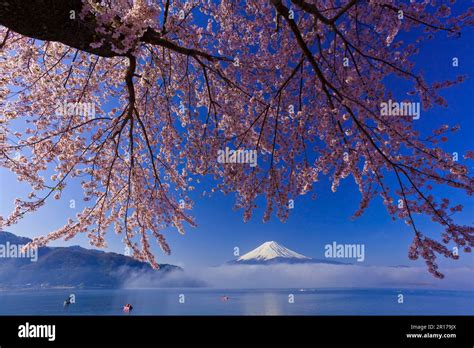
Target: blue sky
(312,224)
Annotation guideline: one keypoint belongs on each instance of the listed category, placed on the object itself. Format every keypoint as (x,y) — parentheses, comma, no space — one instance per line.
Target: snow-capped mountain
(272,252)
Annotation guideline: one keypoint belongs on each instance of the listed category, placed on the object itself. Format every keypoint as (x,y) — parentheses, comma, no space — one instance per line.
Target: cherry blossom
(298,81)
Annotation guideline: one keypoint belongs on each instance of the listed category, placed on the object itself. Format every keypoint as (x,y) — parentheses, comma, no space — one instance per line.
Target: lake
(240,302)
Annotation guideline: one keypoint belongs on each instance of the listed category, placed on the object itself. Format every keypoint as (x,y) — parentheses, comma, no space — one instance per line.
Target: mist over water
(280,276)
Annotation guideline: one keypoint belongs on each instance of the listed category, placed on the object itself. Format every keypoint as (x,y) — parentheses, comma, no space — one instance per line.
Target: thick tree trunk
(50,20)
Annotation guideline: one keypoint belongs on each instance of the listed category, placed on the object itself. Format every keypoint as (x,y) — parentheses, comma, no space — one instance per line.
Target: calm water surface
(240,302)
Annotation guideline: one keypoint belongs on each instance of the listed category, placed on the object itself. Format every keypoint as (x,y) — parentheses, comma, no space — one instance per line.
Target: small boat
(127,308)
(68,301)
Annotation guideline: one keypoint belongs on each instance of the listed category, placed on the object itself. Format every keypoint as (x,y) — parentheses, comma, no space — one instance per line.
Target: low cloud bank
(306,276)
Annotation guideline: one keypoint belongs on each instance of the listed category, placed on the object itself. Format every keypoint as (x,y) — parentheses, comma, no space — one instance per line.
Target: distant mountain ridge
(272,253)
(70,267)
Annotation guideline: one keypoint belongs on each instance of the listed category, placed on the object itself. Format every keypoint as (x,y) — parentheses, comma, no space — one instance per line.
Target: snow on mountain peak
(270,250)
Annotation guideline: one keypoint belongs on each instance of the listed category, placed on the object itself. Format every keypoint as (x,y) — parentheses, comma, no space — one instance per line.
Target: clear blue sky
(312,224)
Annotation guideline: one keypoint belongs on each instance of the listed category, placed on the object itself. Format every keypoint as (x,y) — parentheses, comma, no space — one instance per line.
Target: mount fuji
(272,253)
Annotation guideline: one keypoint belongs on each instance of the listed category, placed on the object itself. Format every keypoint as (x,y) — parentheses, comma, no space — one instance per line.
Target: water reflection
(263,304)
